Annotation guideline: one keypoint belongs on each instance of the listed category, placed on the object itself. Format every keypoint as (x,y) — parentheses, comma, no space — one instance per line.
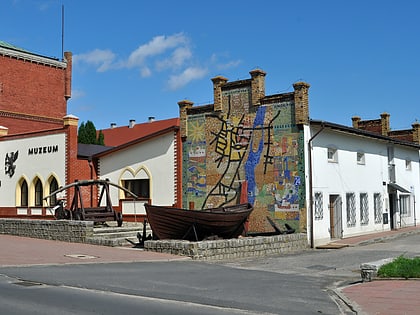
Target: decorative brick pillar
(3,131)
(301,102)
(184,105)
(70,124)
(416,132)
(385,124)
(257,86)
(218,82)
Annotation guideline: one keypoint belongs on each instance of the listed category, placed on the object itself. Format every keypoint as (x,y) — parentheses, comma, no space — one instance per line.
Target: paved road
(293,284)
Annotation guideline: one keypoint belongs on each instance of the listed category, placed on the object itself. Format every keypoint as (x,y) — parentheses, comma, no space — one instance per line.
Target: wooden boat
(196,225)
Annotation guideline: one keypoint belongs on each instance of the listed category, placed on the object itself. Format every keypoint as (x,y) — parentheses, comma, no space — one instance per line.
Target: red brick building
(37,136)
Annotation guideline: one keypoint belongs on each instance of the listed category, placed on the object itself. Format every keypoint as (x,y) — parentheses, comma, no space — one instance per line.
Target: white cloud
(102,59)
(175,82)
(158,45)
(176,60)
(171,56)
(145,72)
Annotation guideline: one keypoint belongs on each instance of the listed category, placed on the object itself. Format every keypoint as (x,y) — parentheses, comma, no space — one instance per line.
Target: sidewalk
(24,251)
(382,297)
(379,297)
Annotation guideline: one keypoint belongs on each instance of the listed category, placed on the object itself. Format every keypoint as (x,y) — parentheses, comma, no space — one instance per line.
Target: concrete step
(111,235)
(113,242)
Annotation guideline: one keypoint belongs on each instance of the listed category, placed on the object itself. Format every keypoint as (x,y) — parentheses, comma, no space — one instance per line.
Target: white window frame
(360,158)
(405,205)
(319,206)
(377,207)
(351,209)
(364,208)
(332,155)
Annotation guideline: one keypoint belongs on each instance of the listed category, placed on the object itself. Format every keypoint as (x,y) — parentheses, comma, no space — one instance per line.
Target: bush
(401,267)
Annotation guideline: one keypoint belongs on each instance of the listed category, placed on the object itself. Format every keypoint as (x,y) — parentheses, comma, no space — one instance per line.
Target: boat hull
(196,225)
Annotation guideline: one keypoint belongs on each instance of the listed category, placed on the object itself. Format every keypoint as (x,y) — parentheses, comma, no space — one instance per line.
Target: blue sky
(134,59)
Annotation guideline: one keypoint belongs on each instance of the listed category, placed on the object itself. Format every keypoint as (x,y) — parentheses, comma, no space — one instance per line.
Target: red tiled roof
(121,135)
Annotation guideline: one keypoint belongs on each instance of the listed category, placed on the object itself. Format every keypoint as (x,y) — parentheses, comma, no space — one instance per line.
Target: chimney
(416,132)
(356,120)
(218,82)
(301,102)
(385,124)
(68,74)
(151,118)
(184,105)
(257,86)
(131,123)
(113,125)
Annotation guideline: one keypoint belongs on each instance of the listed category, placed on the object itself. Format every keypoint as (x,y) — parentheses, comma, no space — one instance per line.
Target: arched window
(24,194)
(38,193)
(53,187)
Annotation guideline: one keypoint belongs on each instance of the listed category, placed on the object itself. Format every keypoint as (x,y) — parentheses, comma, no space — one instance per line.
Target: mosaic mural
(245,153)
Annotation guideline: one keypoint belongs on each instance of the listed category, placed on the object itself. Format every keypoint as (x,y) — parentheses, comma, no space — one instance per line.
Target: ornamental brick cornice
(29,117)
(20,55)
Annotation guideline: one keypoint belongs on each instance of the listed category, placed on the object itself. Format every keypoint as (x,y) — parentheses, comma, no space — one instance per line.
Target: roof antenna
(62,32)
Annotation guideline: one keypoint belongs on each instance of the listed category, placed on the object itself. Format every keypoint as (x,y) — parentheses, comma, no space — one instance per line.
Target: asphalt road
(293,284)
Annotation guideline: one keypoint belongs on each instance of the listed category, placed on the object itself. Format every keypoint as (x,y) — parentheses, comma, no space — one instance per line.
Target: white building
(144,158)
(359,182)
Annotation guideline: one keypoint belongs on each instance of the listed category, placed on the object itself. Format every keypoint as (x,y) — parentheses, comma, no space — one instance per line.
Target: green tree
(87,134)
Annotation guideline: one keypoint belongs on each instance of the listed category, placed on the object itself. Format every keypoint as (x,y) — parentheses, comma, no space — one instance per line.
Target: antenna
(62,32)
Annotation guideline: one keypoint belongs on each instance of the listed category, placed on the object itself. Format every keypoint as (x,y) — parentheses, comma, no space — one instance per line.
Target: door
(336,228)
(392,210)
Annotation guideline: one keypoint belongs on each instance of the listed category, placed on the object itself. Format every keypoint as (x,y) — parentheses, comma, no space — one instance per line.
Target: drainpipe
(311,198)
(91,177)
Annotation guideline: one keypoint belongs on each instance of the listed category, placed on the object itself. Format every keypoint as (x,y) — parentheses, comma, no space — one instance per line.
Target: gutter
(311,198)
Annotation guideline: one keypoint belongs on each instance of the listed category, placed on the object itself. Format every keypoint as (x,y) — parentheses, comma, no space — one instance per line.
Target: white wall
(155,157)
(40,156)
(347,176)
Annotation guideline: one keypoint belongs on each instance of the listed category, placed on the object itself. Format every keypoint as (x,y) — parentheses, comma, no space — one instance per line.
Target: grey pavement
(377,297)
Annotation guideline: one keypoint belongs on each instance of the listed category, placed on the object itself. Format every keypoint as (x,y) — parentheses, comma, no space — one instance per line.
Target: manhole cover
(81,256)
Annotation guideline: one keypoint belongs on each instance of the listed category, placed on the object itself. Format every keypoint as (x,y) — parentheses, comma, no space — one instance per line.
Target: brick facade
(246,147)
(382,126)
(33,90)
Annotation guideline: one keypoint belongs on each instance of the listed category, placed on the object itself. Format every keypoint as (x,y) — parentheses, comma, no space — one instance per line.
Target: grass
(401,267)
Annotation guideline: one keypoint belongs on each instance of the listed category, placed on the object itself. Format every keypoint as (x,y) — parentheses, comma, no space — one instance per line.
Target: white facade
(352,179)
(29,159)
(155,160)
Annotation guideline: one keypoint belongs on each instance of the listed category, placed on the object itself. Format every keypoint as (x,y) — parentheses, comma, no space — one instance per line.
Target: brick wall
(33,94)
(60,230)
(232,248)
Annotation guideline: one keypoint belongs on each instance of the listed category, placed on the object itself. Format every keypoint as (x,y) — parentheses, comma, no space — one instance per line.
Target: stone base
(232,248)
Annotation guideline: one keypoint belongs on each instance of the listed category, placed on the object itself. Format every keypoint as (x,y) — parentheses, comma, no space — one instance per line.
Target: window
(139,187)
(408,165)
(24,194)
(38,193)
(53,187)
(319,212)
(405,205)
(332,155)
(364,209)
(377,205)
(360,158)
(351,209)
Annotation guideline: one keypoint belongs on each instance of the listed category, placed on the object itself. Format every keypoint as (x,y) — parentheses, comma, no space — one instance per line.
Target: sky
(134,59)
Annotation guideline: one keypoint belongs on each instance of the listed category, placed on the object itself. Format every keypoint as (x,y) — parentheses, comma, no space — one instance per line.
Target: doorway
(392,210)
(336,226)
